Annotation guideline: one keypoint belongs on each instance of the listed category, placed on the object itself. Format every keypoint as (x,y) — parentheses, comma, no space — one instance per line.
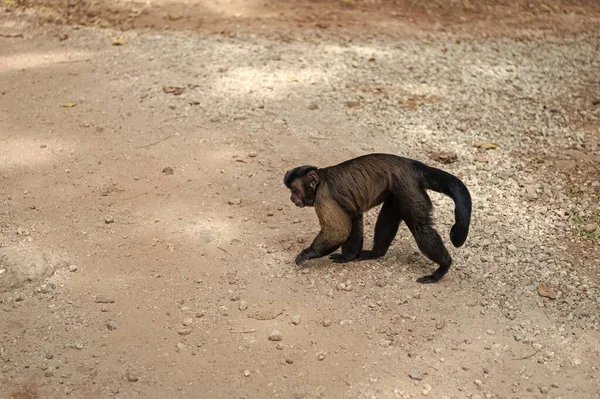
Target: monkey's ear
(313,179)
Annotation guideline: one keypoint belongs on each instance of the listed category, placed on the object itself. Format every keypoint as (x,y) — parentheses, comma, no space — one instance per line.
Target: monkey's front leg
(352,247)
(335,228)
(324,244)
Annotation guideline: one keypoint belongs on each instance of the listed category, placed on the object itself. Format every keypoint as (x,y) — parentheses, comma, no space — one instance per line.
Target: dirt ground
(147,240)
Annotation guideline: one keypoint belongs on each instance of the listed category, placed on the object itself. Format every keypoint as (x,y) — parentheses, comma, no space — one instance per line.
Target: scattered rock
(23,264)
(426,389)
(187,322)
(168,170)
(132,376)
(111,325)
(75,345)
(235,201)
(243,305)
(415,374)
(73,268)
(352,104)
(289,360)
(108,219)
(184,331)
(326,323)
(321,355)
(246,373)
(590,227)
(275,335)
(296,319)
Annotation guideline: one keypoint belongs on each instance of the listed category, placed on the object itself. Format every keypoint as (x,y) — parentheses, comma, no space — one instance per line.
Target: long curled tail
(445,183)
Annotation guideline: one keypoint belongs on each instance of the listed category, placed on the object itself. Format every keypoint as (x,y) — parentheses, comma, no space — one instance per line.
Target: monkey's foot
(433,278)
(367,255)
(340,258)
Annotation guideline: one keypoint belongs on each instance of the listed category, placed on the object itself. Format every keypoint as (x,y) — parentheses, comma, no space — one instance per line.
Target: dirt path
(149,175)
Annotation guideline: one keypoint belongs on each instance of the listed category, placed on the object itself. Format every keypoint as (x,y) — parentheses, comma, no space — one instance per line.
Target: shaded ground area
(144,168)
(348,17)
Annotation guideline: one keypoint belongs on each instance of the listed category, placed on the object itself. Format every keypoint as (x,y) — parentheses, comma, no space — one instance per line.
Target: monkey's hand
(304,255)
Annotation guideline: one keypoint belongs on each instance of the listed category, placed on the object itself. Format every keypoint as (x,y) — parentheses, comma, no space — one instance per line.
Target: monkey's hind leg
(430,243)
(352,247)
(386,229)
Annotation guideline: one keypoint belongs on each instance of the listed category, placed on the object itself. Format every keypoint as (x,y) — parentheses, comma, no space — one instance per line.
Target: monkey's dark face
(301,197)
(304,189)
(302,182)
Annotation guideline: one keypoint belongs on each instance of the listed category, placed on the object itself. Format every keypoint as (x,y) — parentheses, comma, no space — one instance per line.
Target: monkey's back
(362,183)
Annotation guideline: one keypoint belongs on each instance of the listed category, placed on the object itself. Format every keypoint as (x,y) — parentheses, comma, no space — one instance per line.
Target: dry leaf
(545,7)
(119,41)
(174,90)
(68,105)
(544,291)
(486,145)
(444,157)
(174,17)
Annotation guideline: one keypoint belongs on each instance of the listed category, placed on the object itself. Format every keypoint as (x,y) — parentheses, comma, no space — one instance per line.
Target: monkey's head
(302,182)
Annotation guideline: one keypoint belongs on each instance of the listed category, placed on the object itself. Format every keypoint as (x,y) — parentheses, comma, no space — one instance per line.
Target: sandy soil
(147,241)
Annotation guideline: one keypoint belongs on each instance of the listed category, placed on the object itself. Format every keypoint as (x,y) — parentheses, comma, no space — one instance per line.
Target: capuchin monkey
(342,193)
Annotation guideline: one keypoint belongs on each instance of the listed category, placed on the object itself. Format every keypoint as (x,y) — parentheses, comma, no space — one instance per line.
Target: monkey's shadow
(402,258)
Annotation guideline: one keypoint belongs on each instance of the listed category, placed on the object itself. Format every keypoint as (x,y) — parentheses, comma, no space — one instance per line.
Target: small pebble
(415,374)
(73,268)
(111,325)
(185,331)
(132,376)
(321,355)
(275,335)
(479,383)
(187,322)
(426,389)
(326,323)
(247,373)
(243,305)
(296,319)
